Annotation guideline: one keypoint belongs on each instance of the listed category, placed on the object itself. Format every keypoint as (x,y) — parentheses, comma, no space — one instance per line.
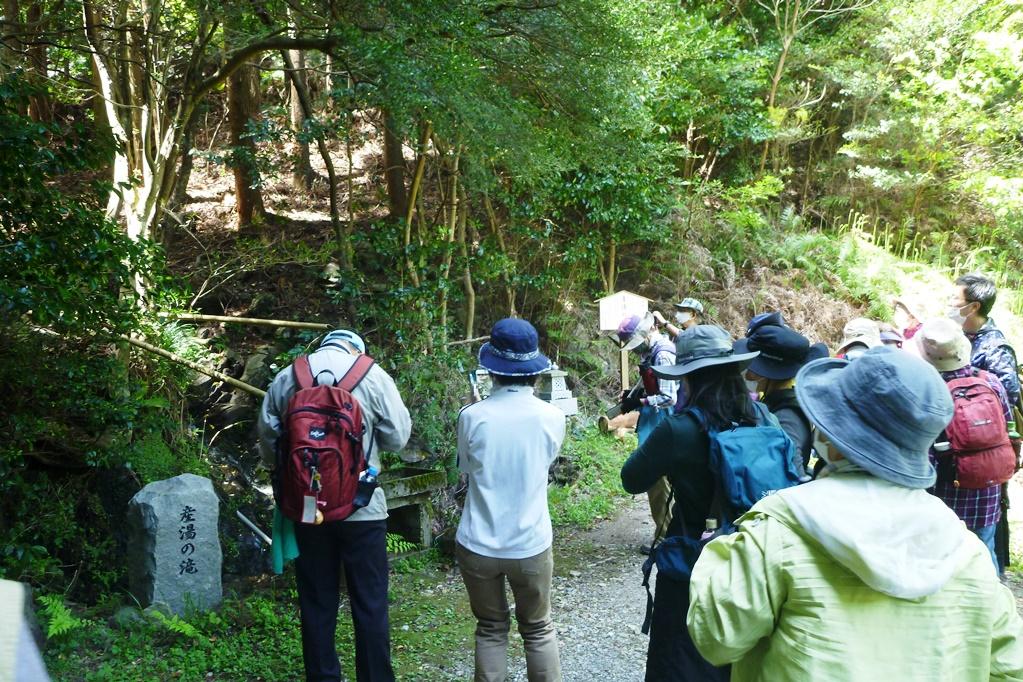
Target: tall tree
(394,167)
(302,174)
(792,19)
(154,63)
(242,111)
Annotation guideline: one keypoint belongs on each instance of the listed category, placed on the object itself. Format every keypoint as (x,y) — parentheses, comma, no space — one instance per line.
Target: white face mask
(683,316)
(836,466)
(955,314)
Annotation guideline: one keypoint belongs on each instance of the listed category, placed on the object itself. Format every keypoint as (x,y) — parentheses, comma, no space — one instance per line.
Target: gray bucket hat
(701,346)
(881,411)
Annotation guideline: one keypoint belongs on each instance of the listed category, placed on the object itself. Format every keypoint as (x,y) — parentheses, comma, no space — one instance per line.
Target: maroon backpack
(320,454)
(977,435)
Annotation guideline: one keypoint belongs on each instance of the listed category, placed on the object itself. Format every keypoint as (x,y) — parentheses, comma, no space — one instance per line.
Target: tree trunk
(181,178)
(467,286)
(341,232)
(40,107)
(779,71)
(612,273)
(242,107)
(452,224)
(417,181)
(11,45)
(302,174)
(394,168)
(149,99)
(602,271)
(509,291)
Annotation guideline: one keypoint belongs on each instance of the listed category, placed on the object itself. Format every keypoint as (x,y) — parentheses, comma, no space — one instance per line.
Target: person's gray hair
(977,287)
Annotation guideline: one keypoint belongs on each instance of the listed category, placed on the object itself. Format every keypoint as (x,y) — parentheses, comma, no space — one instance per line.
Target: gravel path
(600,606)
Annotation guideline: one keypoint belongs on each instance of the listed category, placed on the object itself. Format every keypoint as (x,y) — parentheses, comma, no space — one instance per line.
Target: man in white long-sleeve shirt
(359,543)
(506,445)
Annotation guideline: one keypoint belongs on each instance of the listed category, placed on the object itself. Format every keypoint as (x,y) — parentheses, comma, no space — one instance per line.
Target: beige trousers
(530,581)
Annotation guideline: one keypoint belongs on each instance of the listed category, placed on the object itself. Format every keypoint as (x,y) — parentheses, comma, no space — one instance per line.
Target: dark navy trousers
(671,655)
(361,548)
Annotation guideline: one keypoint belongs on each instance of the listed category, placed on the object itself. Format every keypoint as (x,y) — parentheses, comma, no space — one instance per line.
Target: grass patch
(595,493)
(256,638)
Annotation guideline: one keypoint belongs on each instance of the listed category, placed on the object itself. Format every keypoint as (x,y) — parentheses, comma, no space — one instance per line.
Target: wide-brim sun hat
(882,411)
(860,330)
(635,329)
(513,350)
(783,351)
(701,346)
(942,343)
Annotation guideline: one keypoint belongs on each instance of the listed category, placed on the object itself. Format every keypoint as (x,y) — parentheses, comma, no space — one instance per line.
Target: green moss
(153,459)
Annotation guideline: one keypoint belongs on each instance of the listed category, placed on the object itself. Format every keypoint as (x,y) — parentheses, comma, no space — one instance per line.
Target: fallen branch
(196,366)
(195,317)
(464,341)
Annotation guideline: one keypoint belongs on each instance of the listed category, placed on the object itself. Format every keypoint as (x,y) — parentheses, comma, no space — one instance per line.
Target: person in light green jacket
(860,575)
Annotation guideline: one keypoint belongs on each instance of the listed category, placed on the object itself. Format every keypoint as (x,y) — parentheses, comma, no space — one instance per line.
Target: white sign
(618,306)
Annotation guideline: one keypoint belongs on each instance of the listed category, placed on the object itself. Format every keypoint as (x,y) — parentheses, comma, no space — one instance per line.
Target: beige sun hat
(941,342)
(860,330)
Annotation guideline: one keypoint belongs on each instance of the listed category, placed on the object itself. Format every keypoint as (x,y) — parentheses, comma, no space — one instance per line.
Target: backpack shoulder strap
(764,415)
(700,417)
(303,372)
(356,373)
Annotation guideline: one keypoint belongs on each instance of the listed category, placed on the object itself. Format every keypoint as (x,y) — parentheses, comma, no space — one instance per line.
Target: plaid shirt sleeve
(668,388)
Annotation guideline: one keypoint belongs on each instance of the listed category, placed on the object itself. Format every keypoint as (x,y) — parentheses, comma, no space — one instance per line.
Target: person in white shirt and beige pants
(506,445)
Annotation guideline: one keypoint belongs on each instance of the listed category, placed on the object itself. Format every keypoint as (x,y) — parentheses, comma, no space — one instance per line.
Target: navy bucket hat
(772,319)
(882,411)
(513,350)
(782,351)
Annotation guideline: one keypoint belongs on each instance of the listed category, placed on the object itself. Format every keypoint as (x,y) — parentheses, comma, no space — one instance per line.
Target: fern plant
(59,619)
(399,545)
(176,625)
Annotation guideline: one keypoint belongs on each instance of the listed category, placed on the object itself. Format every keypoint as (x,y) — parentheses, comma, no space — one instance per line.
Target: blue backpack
(748,462)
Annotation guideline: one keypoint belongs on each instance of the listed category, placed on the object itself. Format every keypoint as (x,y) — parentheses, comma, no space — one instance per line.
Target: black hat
(782,351)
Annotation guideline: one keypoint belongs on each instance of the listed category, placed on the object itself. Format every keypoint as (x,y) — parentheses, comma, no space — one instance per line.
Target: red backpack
(320,454)
(977,435)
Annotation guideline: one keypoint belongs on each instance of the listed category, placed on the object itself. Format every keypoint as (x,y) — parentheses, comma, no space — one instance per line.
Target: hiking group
(816,517)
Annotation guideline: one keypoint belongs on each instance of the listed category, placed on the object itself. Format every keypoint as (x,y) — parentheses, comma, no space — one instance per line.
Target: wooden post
(623,367)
